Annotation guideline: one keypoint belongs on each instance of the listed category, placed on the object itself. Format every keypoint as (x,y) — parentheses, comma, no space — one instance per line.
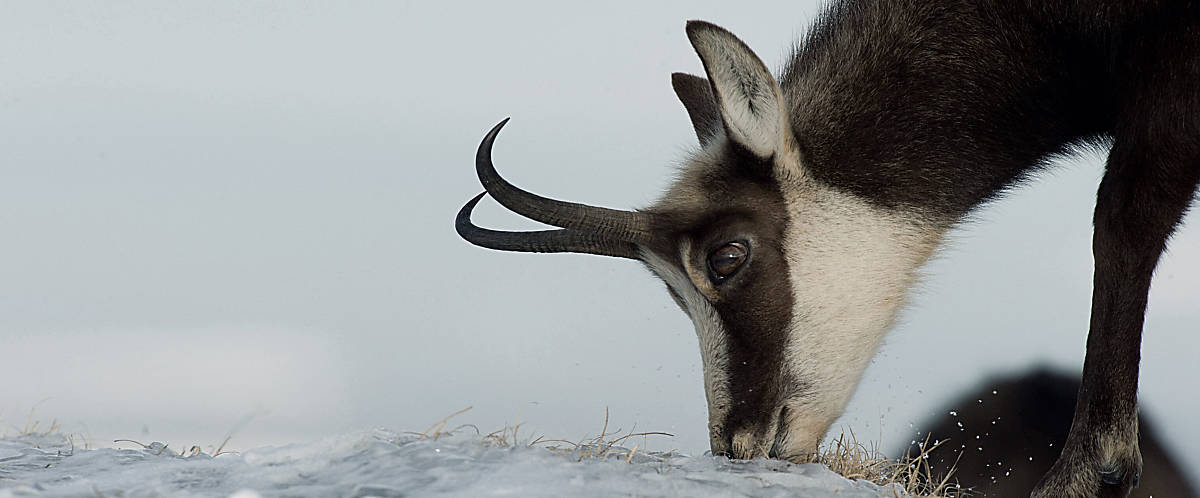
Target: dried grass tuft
(33,427)
(607,444)
(844,455)
(855,460)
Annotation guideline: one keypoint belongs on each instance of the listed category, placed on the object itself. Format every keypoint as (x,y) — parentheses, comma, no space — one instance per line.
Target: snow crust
(385,464)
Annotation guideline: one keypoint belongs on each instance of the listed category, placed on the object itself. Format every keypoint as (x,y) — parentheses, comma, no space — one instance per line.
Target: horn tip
(463,219)
(491,134)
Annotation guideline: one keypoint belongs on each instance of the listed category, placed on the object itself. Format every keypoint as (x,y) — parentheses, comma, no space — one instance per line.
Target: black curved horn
(629,226)
(564,240)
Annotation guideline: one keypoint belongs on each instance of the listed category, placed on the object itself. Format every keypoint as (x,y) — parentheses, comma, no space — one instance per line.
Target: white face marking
(710,330)
(851,266)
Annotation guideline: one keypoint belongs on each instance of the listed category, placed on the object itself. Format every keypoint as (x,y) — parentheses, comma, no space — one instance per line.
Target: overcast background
(239,215)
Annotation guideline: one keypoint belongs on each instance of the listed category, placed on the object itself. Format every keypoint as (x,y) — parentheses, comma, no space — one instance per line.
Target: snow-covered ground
(383,463)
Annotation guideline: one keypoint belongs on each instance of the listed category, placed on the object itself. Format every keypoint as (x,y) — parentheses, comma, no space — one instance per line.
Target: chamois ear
(697,97)
(749,99)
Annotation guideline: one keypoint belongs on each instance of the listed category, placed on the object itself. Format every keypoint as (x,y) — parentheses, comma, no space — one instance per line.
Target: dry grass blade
(139,443)
(914,473)
(218,452)
(543,440)
(637,434)
(437,427)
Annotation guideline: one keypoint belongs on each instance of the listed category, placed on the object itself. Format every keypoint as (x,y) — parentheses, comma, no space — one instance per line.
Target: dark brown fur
(1005,435)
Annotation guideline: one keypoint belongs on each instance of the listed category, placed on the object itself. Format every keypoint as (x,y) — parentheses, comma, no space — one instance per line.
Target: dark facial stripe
(756,303)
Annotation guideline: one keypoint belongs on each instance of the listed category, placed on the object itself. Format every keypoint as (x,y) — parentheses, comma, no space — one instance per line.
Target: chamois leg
(1149,183)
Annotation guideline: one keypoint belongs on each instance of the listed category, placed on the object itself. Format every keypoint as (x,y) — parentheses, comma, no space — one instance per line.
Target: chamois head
(782,276)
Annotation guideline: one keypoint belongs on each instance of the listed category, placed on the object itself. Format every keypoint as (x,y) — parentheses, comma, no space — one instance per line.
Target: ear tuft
(697,97)
(749,99)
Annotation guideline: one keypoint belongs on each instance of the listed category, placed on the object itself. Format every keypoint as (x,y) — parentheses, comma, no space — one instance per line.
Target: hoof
(1116,477)
(1114,480)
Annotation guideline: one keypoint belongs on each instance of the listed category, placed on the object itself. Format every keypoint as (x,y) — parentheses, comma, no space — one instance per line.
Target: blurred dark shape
(1004,437)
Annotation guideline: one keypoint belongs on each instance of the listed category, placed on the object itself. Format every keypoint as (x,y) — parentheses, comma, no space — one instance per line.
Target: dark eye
(726,260)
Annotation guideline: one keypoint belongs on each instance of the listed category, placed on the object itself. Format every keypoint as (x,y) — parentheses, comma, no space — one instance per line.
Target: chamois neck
(913,108)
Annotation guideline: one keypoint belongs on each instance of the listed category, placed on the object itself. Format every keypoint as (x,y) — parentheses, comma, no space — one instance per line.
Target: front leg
(1140,200)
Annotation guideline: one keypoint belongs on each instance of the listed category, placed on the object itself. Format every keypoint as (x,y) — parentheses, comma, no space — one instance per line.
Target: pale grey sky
(216,210)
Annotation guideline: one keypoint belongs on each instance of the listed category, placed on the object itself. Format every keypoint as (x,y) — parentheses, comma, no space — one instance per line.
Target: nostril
(717,441)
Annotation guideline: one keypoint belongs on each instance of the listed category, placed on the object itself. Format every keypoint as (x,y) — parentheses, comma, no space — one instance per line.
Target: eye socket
(726,260)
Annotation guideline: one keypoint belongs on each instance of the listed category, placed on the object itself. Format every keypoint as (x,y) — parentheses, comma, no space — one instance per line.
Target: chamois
(793,235)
